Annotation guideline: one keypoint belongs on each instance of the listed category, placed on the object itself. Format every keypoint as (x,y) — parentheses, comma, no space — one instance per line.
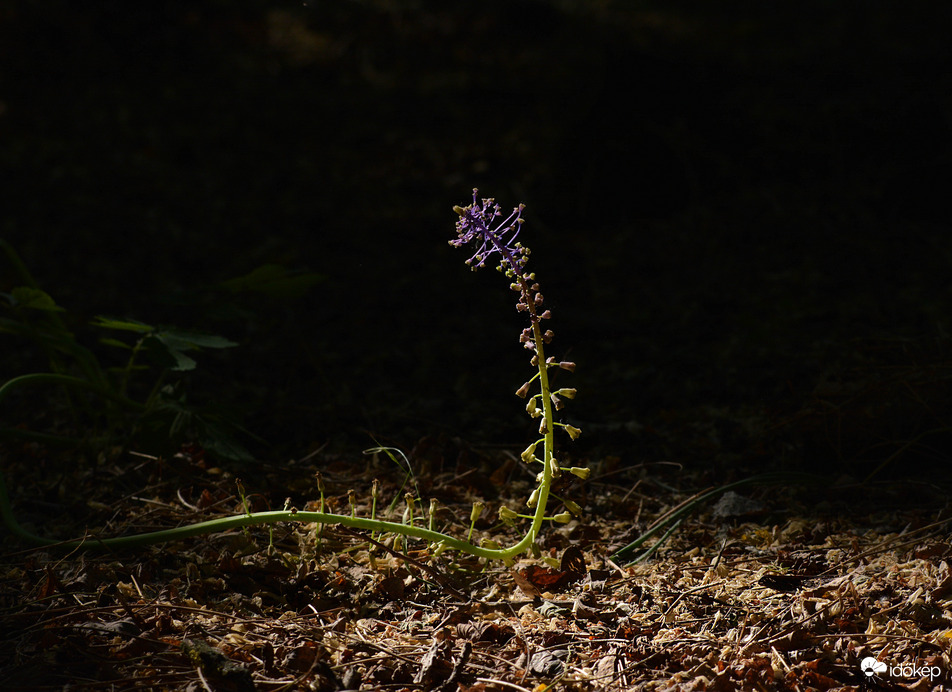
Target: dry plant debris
(730,603)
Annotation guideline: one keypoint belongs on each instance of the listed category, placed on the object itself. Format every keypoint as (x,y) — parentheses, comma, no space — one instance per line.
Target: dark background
(739,216)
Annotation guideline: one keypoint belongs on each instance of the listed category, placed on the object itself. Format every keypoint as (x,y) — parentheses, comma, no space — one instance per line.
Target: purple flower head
(481,225)
(475,226)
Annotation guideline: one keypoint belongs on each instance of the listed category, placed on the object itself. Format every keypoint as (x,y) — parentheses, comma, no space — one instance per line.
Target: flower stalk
(475,227)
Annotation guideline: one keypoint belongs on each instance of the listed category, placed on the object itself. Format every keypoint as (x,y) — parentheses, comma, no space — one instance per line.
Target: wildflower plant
(480,225)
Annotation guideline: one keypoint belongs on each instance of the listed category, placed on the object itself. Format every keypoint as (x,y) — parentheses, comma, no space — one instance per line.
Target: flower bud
(458,209)
(545,315)
(528,455)
(532,408)
(554,469)
(523,391)
(568,392)
(548,336)
(507,515)
(567,365)
(542,429)
(476,511)
(572,431)
(563,518)
(581,471)
(533,499)
(572,507)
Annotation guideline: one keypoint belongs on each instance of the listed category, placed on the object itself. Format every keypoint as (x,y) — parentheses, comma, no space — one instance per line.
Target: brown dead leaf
(573,562)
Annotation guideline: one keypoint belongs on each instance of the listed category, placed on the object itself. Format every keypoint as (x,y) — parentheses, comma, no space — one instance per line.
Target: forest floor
(774,588)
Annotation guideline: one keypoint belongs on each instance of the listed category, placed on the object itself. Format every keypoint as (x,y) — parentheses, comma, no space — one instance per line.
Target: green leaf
(122,325)
(182,362)
(165,348)
(183,340)
(275,281)
(34,299)
(180,424)
(106,341)
(167,356)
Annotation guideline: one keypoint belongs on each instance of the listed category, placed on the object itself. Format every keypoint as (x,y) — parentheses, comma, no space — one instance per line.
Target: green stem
(226,523)
(549,436)
(238,521)
(242,520)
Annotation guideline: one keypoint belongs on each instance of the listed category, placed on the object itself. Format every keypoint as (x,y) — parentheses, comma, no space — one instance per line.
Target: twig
(888,545)
(441,578)
(201,678)
(690,591)
(493,681)
(842,635)
(454,677)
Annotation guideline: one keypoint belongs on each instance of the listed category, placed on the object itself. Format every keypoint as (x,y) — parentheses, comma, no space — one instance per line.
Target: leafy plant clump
(479,225)
(141,398)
